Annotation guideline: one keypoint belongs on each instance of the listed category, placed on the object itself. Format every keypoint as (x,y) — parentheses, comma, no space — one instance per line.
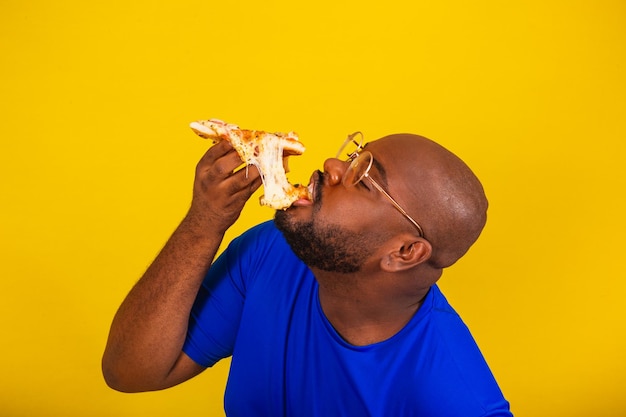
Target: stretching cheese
(267,151)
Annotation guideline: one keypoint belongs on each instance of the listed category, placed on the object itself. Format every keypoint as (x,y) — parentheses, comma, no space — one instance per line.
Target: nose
(334,169)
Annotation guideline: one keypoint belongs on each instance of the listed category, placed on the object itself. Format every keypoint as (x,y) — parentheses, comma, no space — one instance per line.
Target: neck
(366,309)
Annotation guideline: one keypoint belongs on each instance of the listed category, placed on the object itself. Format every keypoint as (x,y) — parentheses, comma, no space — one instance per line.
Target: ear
(411,253)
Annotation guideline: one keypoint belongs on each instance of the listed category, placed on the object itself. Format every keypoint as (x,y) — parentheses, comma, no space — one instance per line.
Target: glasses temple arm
(397,206)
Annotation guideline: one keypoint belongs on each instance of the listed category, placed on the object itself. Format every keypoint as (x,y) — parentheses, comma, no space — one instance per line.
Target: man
(329,310)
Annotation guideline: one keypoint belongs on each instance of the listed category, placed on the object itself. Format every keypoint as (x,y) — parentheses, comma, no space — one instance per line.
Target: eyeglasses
(360,165)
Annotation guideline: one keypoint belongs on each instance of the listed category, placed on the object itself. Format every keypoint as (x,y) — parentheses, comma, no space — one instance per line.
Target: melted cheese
(265,151)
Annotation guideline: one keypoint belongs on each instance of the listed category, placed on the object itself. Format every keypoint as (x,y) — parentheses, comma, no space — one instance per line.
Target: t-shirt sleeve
(216,313)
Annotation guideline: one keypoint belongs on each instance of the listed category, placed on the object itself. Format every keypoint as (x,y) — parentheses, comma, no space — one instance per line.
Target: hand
(220,191)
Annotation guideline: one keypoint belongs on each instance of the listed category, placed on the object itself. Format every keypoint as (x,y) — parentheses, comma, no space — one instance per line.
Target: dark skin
(439,191)
(434,186)
(143,352)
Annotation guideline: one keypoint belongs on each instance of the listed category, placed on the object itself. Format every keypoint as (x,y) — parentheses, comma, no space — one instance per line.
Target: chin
(322,246)
(285,221)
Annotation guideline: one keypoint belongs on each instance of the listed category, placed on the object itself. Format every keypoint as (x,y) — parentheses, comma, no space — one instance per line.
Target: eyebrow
(378,166)
(381,171)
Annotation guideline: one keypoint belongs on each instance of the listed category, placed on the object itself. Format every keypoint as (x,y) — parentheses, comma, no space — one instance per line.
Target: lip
(314,185)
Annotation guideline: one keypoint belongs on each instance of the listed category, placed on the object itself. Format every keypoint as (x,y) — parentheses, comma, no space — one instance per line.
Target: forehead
(394,165)
(402,152)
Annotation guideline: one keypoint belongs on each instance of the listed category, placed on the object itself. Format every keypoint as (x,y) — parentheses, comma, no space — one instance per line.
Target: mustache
(319,183)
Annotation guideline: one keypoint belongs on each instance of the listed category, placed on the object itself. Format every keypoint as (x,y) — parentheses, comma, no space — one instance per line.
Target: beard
(328,247)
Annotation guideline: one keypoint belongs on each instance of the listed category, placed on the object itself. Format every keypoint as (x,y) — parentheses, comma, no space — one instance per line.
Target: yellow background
(97,163)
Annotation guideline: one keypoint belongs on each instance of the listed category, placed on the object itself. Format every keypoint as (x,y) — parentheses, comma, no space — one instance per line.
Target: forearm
(147,334)
(148,331)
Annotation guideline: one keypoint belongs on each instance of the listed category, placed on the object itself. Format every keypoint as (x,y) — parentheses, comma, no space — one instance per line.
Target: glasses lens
(358,169)
(352,144)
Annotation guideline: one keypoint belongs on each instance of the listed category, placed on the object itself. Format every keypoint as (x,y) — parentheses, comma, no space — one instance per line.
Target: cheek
(355,214)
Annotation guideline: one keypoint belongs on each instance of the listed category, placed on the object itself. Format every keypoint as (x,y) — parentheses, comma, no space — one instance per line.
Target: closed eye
(364,185)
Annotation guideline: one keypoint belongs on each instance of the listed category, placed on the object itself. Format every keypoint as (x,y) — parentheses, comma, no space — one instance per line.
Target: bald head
(438,190)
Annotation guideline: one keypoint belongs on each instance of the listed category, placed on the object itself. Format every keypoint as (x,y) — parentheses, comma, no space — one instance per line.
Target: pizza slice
(267,151)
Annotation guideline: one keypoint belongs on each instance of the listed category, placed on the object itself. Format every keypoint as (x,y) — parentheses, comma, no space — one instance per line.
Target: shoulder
(263,230)
(462,372)
(262,237)
(446,326)
(450,326)
(259,250)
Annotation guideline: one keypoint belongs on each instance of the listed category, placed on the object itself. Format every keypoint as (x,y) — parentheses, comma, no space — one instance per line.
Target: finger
(245,178)
(215,152)
(246,190)
(218,163)
(221,147)
(226,165)
(251,184)
(250,171)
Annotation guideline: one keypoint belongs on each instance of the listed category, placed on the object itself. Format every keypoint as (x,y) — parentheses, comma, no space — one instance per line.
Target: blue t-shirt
(259,303)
